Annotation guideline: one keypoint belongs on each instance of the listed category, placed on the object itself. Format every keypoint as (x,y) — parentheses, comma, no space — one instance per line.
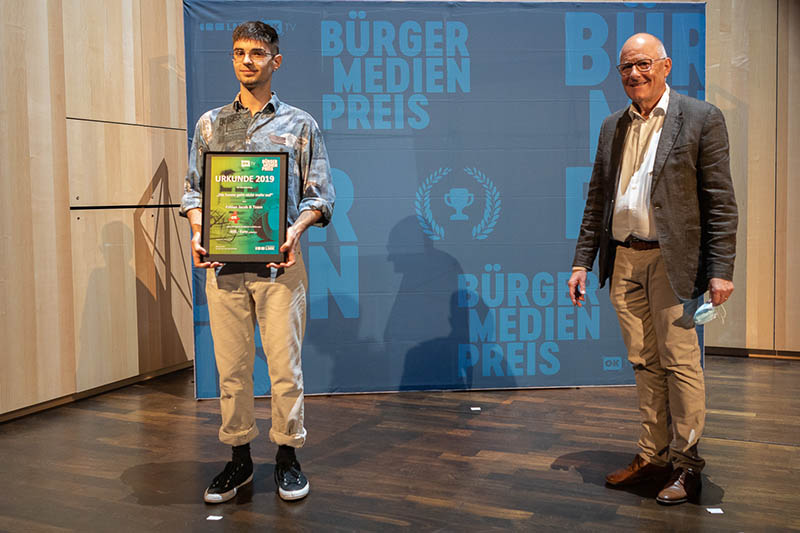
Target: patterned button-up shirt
(278,127)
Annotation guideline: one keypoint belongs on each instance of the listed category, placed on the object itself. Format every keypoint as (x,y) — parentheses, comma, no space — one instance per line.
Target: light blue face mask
(707,312)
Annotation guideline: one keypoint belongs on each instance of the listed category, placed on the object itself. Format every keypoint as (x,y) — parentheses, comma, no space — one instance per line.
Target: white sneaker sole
(290,495)
(225,496)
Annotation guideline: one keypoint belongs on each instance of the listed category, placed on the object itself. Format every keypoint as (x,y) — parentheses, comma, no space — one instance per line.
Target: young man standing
(272,295)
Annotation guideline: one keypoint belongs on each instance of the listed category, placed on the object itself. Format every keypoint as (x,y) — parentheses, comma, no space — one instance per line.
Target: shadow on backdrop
(425,320)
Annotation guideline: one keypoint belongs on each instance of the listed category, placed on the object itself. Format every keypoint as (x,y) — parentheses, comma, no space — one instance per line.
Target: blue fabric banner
(461,137)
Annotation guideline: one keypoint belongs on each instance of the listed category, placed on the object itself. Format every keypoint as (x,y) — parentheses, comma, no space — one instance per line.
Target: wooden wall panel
(163,288)
(163,75)
(740,80)
(36,325)
(102,55)
(127,147)
(125,60)
(787,316)
(120,164)
(132,293)
(90,297)
(106,337)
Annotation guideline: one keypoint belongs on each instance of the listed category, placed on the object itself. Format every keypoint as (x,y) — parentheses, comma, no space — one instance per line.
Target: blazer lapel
(672,126)
(615,164)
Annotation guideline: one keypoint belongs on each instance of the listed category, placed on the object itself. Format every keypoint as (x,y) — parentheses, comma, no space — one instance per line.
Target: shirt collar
(659,109)
(270,106)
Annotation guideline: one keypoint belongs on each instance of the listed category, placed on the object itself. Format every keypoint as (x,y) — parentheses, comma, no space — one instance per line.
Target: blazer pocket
(681,148)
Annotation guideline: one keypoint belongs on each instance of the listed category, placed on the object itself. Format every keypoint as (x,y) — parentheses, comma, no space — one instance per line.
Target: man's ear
(667,66)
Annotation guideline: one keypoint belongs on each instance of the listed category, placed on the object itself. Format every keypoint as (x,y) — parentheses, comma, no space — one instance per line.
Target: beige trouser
(659,333)
(235,303)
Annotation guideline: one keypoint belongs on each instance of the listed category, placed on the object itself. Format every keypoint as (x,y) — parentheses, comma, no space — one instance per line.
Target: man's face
(644,88)
(254,63)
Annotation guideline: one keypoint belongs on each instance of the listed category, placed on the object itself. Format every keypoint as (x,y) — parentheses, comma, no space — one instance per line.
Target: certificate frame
(244,206)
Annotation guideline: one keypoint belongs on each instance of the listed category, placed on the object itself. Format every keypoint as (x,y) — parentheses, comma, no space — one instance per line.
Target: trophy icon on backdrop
(459,199)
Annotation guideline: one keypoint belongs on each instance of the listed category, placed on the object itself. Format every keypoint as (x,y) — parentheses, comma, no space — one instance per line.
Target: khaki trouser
(278,304)
(659,333)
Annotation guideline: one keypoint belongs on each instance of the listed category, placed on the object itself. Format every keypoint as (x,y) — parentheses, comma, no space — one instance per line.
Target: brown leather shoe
(638,471)
(683,486)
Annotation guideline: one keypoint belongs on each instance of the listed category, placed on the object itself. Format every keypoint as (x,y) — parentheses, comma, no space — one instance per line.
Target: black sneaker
(292,483)
(225,485)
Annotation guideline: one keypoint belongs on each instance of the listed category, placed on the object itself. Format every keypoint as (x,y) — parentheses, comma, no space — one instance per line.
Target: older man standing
(662,214)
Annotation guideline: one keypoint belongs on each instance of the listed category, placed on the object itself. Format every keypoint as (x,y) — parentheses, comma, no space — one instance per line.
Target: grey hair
(661,50)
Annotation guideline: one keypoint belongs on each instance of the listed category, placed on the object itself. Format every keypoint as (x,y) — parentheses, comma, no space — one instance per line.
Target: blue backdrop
(461,137)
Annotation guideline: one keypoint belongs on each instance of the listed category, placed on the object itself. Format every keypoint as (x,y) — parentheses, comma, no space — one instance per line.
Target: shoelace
(231,469)
(680,474)
(290,474)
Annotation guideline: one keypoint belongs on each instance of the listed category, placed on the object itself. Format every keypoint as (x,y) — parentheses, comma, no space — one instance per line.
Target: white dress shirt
(633,212)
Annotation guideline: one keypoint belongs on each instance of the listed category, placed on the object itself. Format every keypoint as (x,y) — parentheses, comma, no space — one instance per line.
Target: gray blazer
(691,193)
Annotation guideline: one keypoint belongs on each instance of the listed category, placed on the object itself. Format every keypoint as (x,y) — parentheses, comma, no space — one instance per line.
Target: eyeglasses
(257,55)
(643,65)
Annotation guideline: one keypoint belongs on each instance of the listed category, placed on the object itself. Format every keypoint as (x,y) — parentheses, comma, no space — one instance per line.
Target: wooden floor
(139,458)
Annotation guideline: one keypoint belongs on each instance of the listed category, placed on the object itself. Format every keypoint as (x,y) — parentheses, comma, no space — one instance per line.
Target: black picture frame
(243,222)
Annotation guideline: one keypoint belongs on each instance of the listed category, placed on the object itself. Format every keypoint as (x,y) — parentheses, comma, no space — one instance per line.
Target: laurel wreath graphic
(422,205)
(491,213)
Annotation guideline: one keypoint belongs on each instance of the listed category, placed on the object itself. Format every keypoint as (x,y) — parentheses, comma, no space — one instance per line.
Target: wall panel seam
(153,126)
(775,178)
(124,206)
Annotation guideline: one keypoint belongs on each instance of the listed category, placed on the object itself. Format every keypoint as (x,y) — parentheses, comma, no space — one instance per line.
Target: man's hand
(720,290)
(577,287)
(198,252)
(195,217)
(292,245)
(290,248)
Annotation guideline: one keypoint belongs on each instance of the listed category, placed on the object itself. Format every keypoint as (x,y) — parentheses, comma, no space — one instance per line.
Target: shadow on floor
(593,465)
(184,482)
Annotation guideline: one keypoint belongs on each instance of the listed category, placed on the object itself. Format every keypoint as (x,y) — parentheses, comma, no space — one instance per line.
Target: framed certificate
(244,206)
